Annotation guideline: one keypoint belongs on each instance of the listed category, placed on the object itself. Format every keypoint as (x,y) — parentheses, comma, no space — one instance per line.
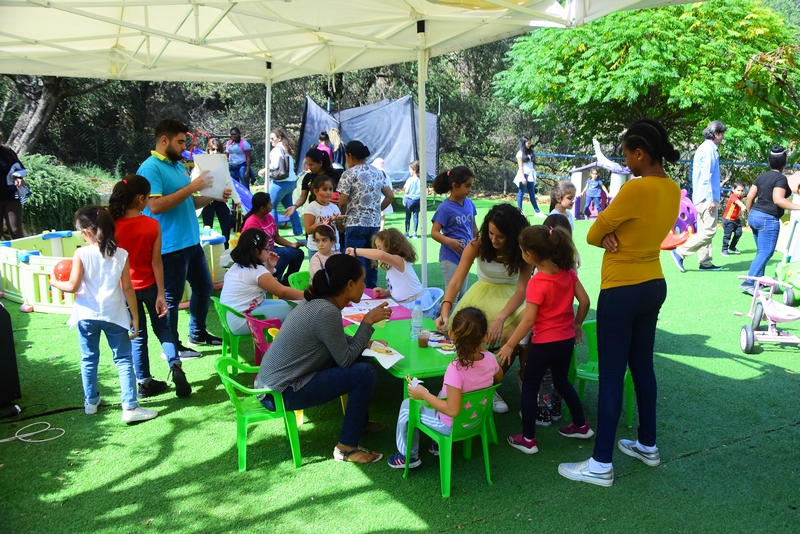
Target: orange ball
(62,270)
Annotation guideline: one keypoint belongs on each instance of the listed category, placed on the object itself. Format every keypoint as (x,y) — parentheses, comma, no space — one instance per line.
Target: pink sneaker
(579,432)
(525,445)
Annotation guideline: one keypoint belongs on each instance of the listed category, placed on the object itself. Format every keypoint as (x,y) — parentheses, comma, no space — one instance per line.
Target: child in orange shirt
(730,219)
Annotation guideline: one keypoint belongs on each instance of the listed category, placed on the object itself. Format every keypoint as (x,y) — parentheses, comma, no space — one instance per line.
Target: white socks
(599,467)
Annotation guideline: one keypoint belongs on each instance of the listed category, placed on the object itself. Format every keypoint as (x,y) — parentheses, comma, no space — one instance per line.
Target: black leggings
(224,216)
(556,355)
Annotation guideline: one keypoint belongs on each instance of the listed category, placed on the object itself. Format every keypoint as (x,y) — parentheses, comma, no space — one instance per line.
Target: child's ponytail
(125,193)
(444,181)
(549,243)
(468,332)
(101,224)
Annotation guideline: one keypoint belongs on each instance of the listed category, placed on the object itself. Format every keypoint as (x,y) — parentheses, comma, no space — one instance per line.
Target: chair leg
(445,464)
(466,445)
(581,386)
(492,430)
(298,414)
(235,348)
(294,438)
(485,444)
(413,422)
(241,443)
(343,399)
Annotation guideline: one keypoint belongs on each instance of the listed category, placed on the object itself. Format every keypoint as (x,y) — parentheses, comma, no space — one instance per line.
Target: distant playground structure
(26,266)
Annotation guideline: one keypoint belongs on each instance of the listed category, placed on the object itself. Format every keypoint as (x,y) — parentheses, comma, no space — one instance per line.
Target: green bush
(57,193)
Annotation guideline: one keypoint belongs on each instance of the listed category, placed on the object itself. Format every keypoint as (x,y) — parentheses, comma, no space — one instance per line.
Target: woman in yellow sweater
(632,291)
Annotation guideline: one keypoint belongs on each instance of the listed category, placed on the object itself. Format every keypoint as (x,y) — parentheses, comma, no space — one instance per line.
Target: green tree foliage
(57,193)
(680,65)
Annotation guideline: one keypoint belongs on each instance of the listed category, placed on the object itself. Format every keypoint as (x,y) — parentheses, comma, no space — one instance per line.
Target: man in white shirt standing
(706,198)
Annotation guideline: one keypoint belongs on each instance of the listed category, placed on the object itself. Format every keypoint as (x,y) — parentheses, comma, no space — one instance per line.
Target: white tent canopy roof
(219,41)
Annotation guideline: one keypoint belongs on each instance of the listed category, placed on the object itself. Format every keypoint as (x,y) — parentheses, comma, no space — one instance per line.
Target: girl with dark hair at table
(249,280)
(313,366)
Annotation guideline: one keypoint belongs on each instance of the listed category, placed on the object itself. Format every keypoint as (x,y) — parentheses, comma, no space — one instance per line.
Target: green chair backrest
(476,406)
(299,280)
(590,334)
(222,312)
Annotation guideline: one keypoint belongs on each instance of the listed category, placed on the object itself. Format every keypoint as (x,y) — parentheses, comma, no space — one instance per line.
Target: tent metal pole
(268,125)
(422,76)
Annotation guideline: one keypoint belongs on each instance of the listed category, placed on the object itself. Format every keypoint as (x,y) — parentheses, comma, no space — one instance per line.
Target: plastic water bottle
(416,319)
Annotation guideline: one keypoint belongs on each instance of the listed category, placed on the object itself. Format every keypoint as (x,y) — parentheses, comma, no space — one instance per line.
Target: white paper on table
(217,166)
(366,305)
(386,360)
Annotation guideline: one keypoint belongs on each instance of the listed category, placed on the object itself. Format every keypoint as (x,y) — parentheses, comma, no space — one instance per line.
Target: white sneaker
(498,404)
(138,414)
(89,408)
(540,215)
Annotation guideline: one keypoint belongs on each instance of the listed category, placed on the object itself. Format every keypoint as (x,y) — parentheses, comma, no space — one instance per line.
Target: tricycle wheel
(747,339)
(758,314)
(788,296)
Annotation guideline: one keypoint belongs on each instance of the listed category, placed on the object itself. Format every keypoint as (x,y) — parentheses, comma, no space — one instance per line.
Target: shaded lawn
(728,429)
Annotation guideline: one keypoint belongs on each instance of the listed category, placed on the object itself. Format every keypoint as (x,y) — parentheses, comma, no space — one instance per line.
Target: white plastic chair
(436,295)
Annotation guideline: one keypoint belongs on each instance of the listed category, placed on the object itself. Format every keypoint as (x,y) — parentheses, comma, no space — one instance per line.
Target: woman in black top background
(766,201)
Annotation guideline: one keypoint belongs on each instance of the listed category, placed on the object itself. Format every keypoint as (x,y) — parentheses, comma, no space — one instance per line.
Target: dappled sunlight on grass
(735,369)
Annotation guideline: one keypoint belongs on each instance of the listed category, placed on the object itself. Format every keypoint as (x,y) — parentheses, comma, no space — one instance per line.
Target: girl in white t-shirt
(101,305)
(321,211)
(250,277)
(396,254)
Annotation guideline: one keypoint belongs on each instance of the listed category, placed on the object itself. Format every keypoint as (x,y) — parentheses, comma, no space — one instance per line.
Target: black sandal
(344,456)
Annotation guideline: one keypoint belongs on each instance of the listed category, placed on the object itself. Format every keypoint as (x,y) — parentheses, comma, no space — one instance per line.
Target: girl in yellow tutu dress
(502,279)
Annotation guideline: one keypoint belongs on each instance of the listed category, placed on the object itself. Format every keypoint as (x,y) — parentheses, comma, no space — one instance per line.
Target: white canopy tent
(266,41)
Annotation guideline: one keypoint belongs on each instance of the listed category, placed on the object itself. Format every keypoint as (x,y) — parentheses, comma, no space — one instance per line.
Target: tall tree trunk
(42,95)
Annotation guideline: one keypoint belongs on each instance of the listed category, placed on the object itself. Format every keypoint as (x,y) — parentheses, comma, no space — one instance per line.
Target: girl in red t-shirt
(556,329)
(140,236)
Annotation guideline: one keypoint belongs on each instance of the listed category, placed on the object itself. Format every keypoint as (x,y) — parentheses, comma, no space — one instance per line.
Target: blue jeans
(187,265)
(141,359)
(289,260)
(120,344)
(281,193)
(589,201)
(412,207)
(626,333)
(237,173)
(357,381)
(361,237)
(765,232)
(530,187)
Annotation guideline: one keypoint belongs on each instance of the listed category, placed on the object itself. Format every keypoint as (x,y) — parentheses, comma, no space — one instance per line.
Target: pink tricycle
(764,305)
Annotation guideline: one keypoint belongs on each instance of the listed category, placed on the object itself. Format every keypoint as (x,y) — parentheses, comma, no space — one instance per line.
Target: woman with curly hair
(502,279)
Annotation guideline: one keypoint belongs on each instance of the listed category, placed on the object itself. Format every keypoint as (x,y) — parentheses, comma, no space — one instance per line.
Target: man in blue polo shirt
(173,203)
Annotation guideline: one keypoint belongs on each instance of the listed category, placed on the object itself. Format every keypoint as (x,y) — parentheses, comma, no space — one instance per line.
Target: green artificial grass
(728,430)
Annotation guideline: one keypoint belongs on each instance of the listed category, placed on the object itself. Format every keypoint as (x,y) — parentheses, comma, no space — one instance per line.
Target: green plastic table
(421,363)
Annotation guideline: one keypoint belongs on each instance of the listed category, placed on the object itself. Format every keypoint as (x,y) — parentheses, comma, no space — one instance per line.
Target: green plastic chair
(300,280)
(590,371)
(250,410)
(476,419)
(229,340)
